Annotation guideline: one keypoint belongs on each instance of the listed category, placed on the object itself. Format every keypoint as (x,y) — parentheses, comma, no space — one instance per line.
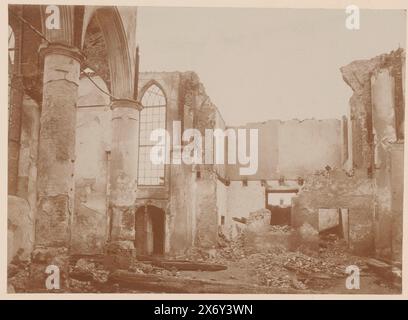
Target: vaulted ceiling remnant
(95,51)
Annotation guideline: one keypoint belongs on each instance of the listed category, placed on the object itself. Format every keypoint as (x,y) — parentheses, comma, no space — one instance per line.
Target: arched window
(11,51)
(11,45)
(152,116)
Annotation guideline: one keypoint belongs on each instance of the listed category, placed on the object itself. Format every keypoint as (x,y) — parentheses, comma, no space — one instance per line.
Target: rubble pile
(284,229)
(239,248)
(89,270)
(87,275)
(294,269)
(17,273)
(145,268)
(234,251)
(195,254)
(275,266)
(269,271)
(279,267)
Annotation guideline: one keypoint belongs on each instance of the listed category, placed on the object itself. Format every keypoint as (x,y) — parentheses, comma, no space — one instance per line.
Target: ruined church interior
(84,195)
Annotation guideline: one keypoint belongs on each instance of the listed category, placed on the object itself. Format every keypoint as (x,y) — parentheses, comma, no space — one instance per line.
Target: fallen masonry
(233,268)
(153,283)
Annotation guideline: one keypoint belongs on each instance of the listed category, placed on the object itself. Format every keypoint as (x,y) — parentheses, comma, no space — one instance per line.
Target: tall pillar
(16,93)
(383,104)
(123,175)
(56,154)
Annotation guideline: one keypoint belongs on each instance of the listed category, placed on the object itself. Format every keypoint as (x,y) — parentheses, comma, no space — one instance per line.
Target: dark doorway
(280,215)
(157,220)
(150,230)
(279,202)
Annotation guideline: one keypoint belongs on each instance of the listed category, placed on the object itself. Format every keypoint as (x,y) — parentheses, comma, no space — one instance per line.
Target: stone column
(123,175)
(383,104)
(16,93)
(56,154)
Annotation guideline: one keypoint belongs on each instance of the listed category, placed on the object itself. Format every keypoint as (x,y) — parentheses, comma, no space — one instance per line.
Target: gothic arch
(149,84)
(117,50)
(74,21)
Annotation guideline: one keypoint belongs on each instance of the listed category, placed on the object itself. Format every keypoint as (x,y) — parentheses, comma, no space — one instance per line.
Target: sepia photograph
(205,149)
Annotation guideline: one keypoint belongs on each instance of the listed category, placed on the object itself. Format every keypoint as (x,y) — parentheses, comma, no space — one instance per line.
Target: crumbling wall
(377,117)
(222,182)
(23,207)
(388,116)
(397,197)
(20,229)
(222,193)
(294,148)
(205,115)
(27,165)
(308,145)
(194,187)
(243,199)
(358,75)
(334,189)
(89,228)
(30,125)
(181,219)
(93,138)
(382,97)
(206,234)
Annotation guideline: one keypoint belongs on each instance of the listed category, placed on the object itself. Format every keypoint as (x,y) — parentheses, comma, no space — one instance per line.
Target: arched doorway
(150,230)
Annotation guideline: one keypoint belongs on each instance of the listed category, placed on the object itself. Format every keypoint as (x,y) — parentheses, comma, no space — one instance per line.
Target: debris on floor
(228,268)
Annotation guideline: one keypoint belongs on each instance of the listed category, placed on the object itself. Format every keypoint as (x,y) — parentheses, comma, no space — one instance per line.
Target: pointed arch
(95,49)
(11,45)
(117,49)
(149,84)
(153,96)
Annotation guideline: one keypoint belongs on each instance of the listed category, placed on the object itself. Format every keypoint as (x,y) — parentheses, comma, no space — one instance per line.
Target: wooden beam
(167,284)
(189,265)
